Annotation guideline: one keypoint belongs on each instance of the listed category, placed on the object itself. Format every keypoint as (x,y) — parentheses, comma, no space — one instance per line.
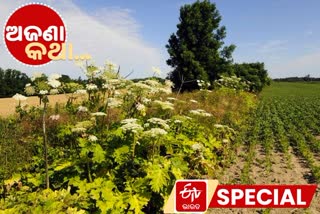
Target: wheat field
(8,105)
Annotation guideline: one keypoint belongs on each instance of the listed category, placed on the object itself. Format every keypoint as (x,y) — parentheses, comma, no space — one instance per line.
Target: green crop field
(281,142)
(287,121)
(292,89)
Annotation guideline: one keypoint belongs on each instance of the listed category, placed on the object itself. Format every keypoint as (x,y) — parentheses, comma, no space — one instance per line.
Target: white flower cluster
(141,108)
(113,84)
(36,75)
(141,86)
(91,87)
(53,80)
(152,83)
(54,83)
(92,138)
(171,98)
(219,126)
(43,92)
(131,125)
(151,86)
(164,105)
(99,114)
(197,147)
(165,90)
(233,82)
(155,132)
(54,76)
(160,122)
(200,112)
(203,84)
(114,102)
(81,91)
(159,88)
(78,129)
(146,101)
(225,141)
(108,86)
(82,109)
(19,97)
(129,120)
(54,91)
(177,121)
(81,127)
(29,89)
(54,117)
(169,84)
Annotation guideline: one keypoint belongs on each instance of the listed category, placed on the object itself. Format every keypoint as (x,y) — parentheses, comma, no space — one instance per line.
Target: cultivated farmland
(282,142)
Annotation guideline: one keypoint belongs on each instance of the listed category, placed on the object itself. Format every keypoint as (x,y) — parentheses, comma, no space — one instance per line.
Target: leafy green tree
(65,79)
(255,73)
(12,82)
(197,50)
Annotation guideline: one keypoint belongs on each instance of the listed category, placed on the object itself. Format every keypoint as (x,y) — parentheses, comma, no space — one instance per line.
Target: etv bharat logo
(35,34)
(191,196)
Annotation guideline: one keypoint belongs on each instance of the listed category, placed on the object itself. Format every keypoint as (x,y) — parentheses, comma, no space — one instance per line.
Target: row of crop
(294,122)
(285,124)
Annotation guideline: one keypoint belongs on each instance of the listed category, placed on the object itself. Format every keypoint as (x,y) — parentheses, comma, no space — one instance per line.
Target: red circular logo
(34,34)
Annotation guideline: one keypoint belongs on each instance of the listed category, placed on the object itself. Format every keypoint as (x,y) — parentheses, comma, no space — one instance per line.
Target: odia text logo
(35,34)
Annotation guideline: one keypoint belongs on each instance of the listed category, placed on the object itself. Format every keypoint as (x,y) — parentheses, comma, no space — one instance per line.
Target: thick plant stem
(45,143)
(133,147)
(89,173)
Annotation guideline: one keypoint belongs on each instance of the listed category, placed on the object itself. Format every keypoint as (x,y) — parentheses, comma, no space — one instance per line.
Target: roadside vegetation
(120,148)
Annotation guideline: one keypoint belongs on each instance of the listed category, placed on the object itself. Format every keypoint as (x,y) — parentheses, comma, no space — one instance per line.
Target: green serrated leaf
(14,178)
(177,173)
(98,154)
(136,202)
(36,179)
(158,176)
(95,194)
(63,166)
(121,154)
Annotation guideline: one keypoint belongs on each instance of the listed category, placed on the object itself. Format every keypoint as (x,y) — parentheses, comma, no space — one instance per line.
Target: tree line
(14,81)
(198,53)
(306,78)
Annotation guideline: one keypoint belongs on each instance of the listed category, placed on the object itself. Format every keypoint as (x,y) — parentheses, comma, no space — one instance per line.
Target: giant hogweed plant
(41,86)
(122,150)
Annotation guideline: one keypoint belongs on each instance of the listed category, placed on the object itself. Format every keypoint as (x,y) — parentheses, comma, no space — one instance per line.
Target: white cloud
(299,66)
(124,22)
(114,36)
(281,61)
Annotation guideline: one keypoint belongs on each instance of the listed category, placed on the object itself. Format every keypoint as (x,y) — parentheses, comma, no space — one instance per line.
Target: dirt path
(282,172)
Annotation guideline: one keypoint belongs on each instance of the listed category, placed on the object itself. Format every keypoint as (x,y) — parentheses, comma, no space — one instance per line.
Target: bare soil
(282,171)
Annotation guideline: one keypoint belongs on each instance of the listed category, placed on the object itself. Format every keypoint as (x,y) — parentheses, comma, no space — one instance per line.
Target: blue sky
(282,33)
